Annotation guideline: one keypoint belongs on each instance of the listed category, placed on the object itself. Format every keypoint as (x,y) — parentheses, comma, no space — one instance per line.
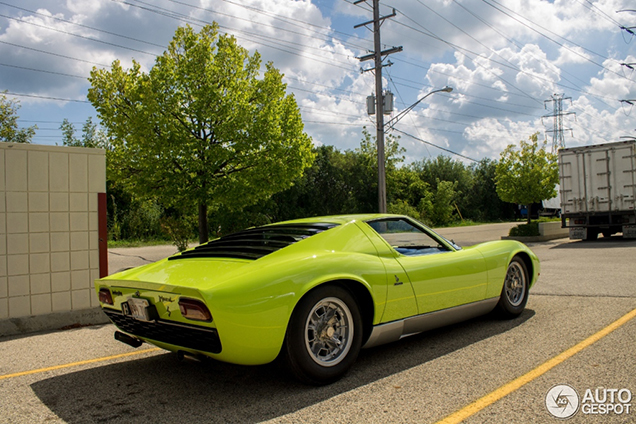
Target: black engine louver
(254,243)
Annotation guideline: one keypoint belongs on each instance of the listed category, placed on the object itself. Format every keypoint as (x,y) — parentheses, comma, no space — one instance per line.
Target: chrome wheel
(329,332)
(515,285)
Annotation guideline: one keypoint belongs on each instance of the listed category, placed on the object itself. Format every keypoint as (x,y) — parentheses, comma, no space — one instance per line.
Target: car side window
(406,238)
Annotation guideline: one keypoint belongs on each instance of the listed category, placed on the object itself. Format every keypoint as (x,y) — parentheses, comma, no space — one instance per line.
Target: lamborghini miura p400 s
(314,291)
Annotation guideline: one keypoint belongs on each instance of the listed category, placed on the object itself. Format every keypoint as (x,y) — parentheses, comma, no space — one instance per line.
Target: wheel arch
(362,297)
(529,263)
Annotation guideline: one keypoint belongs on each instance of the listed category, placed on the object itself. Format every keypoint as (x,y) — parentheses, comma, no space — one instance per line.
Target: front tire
(514,294)
(324,335)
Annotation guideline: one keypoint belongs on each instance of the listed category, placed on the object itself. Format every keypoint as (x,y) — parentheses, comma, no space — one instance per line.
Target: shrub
(401,207)
(179,229)
(525,230)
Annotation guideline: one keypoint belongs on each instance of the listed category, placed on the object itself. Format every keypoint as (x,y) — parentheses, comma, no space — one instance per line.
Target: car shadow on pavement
(160,389)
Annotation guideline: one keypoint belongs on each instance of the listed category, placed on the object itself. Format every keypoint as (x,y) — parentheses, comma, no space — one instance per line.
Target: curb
(534,239)
(53,321)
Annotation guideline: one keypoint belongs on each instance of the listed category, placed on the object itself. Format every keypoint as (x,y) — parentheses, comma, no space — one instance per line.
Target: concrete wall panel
(48,228)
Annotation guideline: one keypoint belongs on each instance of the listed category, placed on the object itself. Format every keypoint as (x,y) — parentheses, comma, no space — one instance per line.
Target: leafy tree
(402,207)
(408,186)
(9,131)
(439,207)
(444,168)
(367,168)
(328,187)
(200,128)
(527,175)
(91,135)
(68,134)
(482,201)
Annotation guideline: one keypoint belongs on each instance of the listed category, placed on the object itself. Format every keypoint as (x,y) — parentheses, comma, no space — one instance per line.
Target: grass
(137,243)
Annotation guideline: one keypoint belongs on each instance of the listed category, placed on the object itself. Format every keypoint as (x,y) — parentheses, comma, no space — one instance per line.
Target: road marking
(492,397)
(75,364)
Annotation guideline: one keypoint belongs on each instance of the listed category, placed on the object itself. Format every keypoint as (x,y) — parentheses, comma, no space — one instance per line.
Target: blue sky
(503,58)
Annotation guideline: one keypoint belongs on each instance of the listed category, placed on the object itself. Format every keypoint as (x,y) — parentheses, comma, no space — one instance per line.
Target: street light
(381,126)
(400,115)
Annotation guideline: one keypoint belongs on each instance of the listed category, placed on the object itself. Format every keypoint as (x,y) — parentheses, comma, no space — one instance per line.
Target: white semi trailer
(598,188)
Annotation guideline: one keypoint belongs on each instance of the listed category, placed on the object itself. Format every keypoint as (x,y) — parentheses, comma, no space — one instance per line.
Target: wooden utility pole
(378,55)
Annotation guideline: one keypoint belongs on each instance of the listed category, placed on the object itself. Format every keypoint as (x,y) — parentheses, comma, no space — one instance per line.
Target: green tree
(439,207)
(326,188)
(527,175)
(9,131)
(402,207)
(444,168)
(483,203)
(366,169)
(68,134)
(200,128)
(91,135)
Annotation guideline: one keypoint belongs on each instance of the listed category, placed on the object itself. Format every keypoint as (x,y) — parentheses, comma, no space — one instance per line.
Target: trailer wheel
(592,234)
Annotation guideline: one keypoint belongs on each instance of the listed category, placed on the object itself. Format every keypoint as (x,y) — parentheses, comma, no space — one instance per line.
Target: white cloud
(501,65)
(572,55)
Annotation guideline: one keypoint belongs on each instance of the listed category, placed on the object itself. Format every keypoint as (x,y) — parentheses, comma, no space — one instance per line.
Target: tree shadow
(160,389)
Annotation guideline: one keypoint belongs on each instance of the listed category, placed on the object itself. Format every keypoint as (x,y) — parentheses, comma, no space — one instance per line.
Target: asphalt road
(583,288)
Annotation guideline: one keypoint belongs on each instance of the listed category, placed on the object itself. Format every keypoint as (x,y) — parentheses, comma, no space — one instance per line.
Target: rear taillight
(195,310)
(105,296)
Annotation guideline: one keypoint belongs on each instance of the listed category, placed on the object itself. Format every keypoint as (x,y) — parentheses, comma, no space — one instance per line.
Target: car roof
(340,219)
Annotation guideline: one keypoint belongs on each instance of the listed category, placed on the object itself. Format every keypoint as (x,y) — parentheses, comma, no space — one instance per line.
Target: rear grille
(183,335)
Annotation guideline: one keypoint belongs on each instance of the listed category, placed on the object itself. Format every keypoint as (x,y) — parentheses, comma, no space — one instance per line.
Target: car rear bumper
(202,339)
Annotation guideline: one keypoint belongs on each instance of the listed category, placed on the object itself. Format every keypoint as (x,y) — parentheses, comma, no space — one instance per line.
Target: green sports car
(314,291)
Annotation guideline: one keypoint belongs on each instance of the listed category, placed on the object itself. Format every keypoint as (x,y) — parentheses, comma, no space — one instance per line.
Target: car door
(442,275)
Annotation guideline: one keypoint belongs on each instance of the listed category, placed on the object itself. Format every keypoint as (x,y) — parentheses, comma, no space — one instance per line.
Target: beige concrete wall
(48,228)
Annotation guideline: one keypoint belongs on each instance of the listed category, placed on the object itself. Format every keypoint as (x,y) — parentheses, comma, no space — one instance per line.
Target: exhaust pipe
(129,340)
(183,356)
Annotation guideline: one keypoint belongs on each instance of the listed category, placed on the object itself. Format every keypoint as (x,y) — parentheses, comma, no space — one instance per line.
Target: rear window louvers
(255,243)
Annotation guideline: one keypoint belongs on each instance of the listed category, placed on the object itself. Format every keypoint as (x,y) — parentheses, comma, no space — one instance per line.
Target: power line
(463,51)
(55,54)
(35,96)
(518,46)
(42,70)
(274,42)
(83,26)
(510,15)
(435,145)
(286,19)
(76,35)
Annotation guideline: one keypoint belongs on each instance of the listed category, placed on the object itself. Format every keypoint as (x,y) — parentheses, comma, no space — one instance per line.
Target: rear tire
(514,294)
(324,335)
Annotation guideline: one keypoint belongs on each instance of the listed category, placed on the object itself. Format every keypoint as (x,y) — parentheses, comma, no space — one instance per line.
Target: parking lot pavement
(127,257)
(583,288)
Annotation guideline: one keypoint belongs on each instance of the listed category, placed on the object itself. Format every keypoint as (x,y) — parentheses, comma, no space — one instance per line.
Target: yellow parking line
(75,364)
(505,390)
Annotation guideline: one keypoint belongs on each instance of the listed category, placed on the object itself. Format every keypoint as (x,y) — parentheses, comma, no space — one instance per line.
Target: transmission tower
(558,141)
